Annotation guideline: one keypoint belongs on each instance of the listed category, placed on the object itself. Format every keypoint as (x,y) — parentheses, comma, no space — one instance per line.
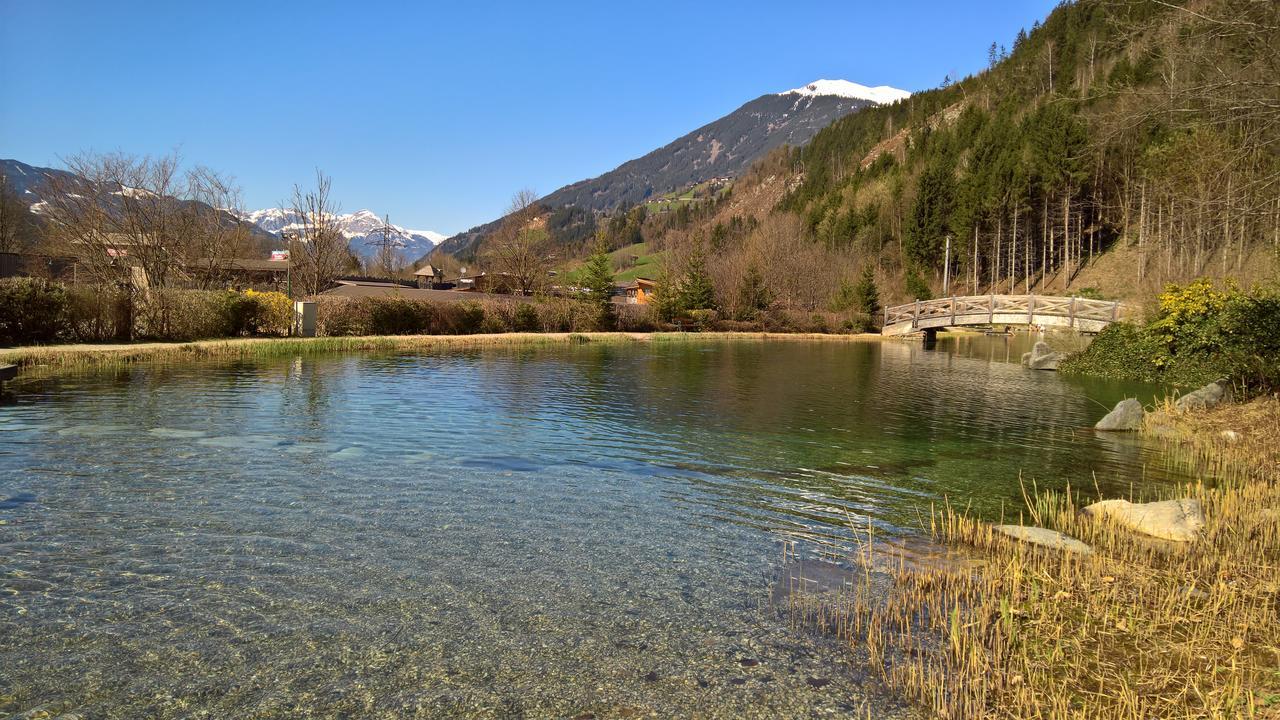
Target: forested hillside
(1113,148)
(720,149)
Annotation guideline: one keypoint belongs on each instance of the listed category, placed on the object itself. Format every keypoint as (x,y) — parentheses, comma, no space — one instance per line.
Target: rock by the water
(1127,415)
(1044,538)
(1042,357)
(1177,520)
(1208,397)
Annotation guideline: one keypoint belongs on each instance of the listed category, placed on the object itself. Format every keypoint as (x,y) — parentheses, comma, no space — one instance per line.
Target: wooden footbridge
(928,316)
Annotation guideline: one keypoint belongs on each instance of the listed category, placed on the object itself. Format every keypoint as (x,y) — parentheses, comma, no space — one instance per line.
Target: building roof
(243,264)
(426,271)
(636,283)
(361,290)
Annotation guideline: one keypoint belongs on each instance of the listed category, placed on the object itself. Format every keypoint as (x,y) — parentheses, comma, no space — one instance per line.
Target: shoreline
(87,356)
(1036,631)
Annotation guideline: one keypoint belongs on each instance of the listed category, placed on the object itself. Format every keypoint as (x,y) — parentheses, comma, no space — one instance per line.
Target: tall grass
(83,357)
(1141,628)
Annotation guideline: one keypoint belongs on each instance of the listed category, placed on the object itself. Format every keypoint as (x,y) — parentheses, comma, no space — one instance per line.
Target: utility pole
(946,269)
(387,245)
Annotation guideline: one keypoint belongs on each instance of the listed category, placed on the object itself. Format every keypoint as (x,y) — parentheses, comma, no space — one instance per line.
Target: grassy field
(646,265)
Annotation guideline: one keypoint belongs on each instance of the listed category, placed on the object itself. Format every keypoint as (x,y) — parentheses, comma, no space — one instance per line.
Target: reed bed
(1139,628)
(83,357)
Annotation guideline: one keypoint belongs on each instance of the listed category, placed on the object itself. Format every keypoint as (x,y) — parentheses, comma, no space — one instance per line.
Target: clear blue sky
(437,112)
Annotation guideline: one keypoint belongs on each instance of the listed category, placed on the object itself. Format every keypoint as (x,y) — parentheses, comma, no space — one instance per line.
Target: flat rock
(1127,415)
(1044,538)
(1206,398)
(1042,357)
(1177,520)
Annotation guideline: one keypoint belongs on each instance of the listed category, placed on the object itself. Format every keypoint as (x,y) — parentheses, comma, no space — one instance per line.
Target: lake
(580,531)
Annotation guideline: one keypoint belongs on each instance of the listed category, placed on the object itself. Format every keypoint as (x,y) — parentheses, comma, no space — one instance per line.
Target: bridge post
(1115,310)
(1071,314)
(1031,307)
(915,315)
(953,311)
(886,316)
(930,337)
(991,309)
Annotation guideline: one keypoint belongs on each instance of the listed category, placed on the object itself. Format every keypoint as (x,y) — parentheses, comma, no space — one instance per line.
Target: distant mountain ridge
(723,148)
(30,185)
(361,228)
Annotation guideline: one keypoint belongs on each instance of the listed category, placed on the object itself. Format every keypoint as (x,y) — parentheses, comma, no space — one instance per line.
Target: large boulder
(1042,357)
(1208,397)
(1177,520)
(1127,415)
(1044,538)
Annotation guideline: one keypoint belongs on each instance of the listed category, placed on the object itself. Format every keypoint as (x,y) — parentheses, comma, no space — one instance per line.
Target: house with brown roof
(636,292)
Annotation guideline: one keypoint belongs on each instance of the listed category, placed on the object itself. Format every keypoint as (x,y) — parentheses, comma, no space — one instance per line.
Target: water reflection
(548,532)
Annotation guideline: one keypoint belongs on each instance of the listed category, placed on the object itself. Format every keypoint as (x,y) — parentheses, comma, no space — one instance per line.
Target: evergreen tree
(916,286)
(598,281)
(928,224)
(697,292)
(753,295)
(866,294)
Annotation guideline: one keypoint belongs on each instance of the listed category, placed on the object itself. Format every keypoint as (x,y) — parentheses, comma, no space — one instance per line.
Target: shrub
(1200,333)
(526,319)
(96,315)
(34,311)
(269,313)
(185,314)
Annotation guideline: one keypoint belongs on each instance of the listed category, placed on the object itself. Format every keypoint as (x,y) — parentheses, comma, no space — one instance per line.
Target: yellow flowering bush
(1183,308)
(272,312)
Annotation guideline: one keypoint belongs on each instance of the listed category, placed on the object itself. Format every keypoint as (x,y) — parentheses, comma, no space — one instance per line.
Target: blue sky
(436,113)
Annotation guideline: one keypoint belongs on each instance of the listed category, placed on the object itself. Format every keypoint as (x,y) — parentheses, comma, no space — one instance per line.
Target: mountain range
(30,184)
(723,148)
(361,228)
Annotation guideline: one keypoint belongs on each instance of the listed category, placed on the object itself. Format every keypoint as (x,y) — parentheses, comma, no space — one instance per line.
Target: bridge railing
(970,308)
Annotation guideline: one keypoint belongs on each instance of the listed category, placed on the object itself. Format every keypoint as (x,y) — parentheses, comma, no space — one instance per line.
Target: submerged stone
(1042,357)
(1044,537)
(1177,520)
(1127,415)
(176,433)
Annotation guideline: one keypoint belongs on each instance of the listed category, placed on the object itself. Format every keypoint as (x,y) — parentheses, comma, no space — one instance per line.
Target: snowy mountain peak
(361,228)
(881,94)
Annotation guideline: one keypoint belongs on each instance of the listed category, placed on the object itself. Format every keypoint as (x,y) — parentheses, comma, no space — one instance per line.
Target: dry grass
(75,357)
(1141,628)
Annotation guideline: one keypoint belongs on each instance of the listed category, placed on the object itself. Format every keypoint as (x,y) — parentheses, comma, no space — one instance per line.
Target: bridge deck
(1071,312)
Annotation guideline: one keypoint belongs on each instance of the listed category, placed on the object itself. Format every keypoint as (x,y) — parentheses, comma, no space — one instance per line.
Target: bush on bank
(37,312)
(1199,333)
(399,316)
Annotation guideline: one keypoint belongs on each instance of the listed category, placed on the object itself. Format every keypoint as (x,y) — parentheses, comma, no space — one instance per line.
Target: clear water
(553,532)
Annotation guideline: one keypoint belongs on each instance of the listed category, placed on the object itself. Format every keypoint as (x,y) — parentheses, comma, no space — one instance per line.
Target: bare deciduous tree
(318,250)
(119,214)
(15,219)
(520,248)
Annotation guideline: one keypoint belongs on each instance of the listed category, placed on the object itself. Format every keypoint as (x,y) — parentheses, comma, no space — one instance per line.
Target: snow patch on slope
(881,94)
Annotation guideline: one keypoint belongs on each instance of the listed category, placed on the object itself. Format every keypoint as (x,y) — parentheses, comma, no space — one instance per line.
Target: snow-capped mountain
(361,228)
(722,148)
(881,94)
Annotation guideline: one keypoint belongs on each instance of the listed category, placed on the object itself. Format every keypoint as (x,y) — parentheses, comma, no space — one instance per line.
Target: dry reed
(1140,628)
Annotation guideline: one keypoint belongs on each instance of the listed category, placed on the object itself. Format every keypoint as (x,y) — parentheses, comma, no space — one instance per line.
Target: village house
(429,277)
(636,292)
